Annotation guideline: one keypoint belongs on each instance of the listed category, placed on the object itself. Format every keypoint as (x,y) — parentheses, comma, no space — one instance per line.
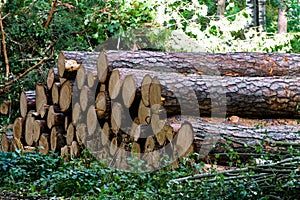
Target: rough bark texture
(230,64)
(217,96)
(210,138)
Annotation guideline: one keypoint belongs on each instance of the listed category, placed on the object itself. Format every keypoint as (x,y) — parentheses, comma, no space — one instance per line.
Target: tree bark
(214,95)
(211,138)
(282,18)
(229,64)
(221,8)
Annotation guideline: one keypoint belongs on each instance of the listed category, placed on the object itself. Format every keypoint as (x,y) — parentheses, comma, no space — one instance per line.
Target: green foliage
(82,27)
(33,174)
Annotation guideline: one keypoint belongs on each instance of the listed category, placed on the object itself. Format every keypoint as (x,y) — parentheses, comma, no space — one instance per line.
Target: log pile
(121,104)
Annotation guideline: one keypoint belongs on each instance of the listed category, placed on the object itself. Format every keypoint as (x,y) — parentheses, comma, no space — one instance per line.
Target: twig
(257,168)
(54,3)
(4,45)
(23,74)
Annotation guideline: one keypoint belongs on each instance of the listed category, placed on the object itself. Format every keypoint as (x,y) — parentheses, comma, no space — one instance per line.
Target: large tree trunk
(219,138)
(230,64)
(214,95)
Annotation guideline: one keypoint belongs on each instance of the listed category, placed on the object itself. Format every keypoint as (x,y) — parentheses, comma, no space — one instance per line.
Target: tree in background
(282,18)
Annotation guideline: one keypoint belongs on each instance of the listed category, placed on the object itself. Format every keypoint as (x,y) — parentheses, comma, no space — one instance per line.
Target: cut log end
(102,67)
(114,84)
(128,91)
(4,107)
(65,96)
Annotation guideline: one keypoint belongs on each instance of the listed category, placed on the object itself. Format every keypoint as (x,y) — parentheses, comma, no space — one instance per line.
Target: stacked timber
(124,104)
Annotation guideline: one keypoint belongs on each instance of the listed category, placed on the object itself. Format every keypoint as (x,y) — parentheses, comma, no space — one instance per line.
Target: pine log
(216,96)
(69,62)
(115,84)
(130,85)
(211,138)
(5,107)
(57,139)
(74,149)
(55,92)
(27,102)
(64,153)
(55,117)
(113,146)
(83,72)
(150,144)
(120,118)
(91,120)
(81,134)
(68,120)
(70,134)
(106,134)
(77,114)
(144,114)
(65,96)
(17,144)
(41,99)
(52,77)
(145,88)
(136,150)
(92,79)
(87,98)
(19,128)
(39,127)
(102,105)
(225,64)
(29,127)
(154,92)
(6,141)
(44,143)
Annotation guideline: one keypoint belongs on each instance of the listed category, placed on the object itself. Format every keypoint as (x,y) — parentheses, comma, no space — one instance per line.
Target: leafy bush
(33,174)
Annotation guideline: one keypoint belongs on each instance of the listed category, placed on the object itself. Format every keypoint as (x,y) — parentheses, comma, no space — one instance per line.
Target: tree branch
(54,4)
(23,74)
(4,45)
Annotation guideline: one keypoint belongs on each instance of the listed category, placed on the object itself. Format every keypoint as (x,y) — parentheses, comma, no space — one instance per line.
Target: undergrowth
(35,175)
